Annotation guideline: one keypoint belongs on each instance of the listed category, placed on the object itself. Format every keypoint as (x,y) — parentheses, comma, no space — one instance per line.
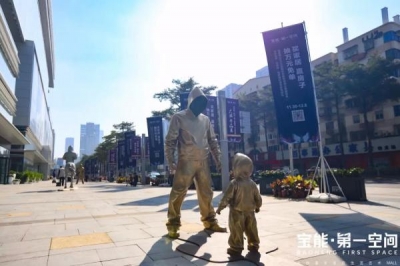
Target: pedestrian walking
(81,173)
(61,175)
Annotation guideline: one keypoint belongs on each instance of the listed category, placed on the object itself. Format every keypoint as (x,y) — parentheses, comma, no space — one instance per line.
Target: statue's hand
(257,210)
(218,211)
(219,167)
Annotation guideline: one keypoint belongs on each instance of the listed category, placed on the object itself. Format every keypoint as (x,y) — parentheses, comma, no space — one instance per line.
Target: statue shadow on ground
(211,247)
(357,232)
(38,191)
(153,201)
(165,247)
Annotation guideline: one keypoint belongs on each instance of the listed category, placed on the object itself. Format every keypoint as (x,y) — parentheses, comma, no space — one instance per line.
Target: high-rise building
(230,89)
(69,142)
(27,73)
(90,136)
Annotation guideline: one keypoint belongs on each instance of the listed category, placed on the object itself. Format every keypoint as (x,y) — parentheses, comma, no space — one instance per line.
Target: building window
(350,52)
(352,103)
(396,129)
(357,135)
(273,148)
(396,110)
(369,44)
(392,54)
(391,36)
(356,119)
(379,115)
(330,126)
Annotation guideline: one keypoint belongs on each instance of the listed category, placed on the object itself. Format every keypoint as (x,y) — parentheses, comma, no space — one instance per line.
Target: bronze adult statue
(193,134)
(69,157)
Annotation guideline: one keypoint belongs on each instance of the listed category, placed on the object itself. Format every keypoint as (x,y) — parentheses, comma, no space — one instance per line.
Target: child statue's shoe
(173,233)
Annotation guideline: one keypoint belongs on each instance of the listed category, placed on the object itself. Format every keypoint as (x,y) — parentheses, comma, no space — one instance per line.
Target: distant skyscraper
(101,136)
(69,142)
(230,89)
(60,162)
(263,72)
(90,136)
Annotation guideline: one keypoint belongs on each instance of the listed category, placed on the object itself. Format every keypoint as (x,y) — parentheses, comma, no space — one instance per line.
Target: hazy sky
(113,56)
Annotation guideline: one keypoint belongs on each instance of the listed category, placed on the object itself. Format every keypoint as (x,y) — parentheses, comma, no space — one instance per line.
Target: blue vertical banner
(292,86)
(137,147)
(93,166)
(146,147)
(212,113)
(129,161)
(87,167)
(121,154)
(156,141)
(233,120)
(112,156)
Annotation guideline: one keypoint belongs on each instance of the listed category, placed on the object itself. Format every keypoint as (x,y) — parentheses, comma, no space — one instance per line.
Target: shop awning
(10,133)
(35,156)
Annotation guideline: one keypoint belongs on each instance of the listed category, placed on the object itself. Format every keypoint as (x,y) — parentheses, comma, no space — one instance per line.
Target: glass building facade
(27,73)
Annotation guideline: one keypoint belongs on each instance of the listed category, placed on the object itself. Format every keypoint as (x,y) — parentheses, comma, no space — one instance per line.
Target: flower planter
(353,187)
(10,179)
(265,181)
(16,182)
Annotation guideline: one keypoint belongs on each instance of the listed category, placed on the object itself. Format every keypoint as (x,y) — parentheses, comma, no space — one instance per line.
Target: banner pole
(291,158)
(143,158)
(223,140)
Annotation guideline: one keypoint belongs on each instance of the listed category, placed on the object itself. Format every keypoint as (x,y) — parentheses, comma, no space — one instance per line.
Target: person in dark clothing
(135,179)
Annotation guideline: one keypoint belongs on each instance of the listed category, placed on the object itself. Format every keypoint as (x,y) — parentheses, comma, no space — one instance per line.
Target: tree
(110,141)
(172,95)
(261,107)
(329,88)
(371,85)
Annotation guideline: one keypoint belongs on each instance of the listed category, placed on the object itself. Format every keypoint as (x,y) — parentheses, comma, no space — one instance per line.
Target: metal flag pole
(143,159)
(325,189)
(223,140)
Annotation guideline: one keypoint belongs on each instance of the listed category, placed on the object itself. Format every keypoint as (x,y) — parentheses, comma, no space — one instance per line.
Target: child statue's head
(242,166)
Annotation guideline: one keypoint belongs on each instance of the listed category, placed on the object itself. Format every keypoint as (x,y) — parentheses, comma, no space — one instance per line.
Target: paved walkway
(111,224)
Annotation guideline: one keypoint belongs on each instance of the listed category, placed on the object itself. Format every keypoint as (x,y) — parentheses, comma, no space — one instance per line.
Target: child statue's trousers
(239,223)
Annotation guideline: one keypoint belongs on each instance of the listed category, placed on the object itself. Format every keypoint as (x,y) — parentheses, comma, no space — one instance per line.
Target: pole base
(325,198)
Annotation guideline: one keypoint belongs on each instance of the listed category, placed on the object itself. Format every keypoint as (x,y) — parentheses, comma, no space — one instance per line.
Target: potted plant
(11,176)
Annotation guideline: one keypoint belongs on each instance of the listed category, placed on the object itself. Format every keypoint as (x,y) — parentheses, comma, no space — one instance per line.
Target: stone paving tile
(80,240)
(77,258)
(120,252)
(128,235)
(39,261)
(82,248)
(15,248)
(139,260)
(48,231)
(279,220)
(173,262)
(23,256)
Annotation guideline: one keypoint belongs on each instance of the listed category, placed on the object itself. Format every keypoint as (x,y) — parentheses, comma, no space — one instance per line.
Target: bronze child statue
(244,200)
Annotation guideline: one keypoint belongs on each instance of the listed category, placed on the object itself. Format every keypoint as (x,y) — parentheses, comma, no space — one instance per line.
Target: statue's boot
(173,232)
(216,228)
